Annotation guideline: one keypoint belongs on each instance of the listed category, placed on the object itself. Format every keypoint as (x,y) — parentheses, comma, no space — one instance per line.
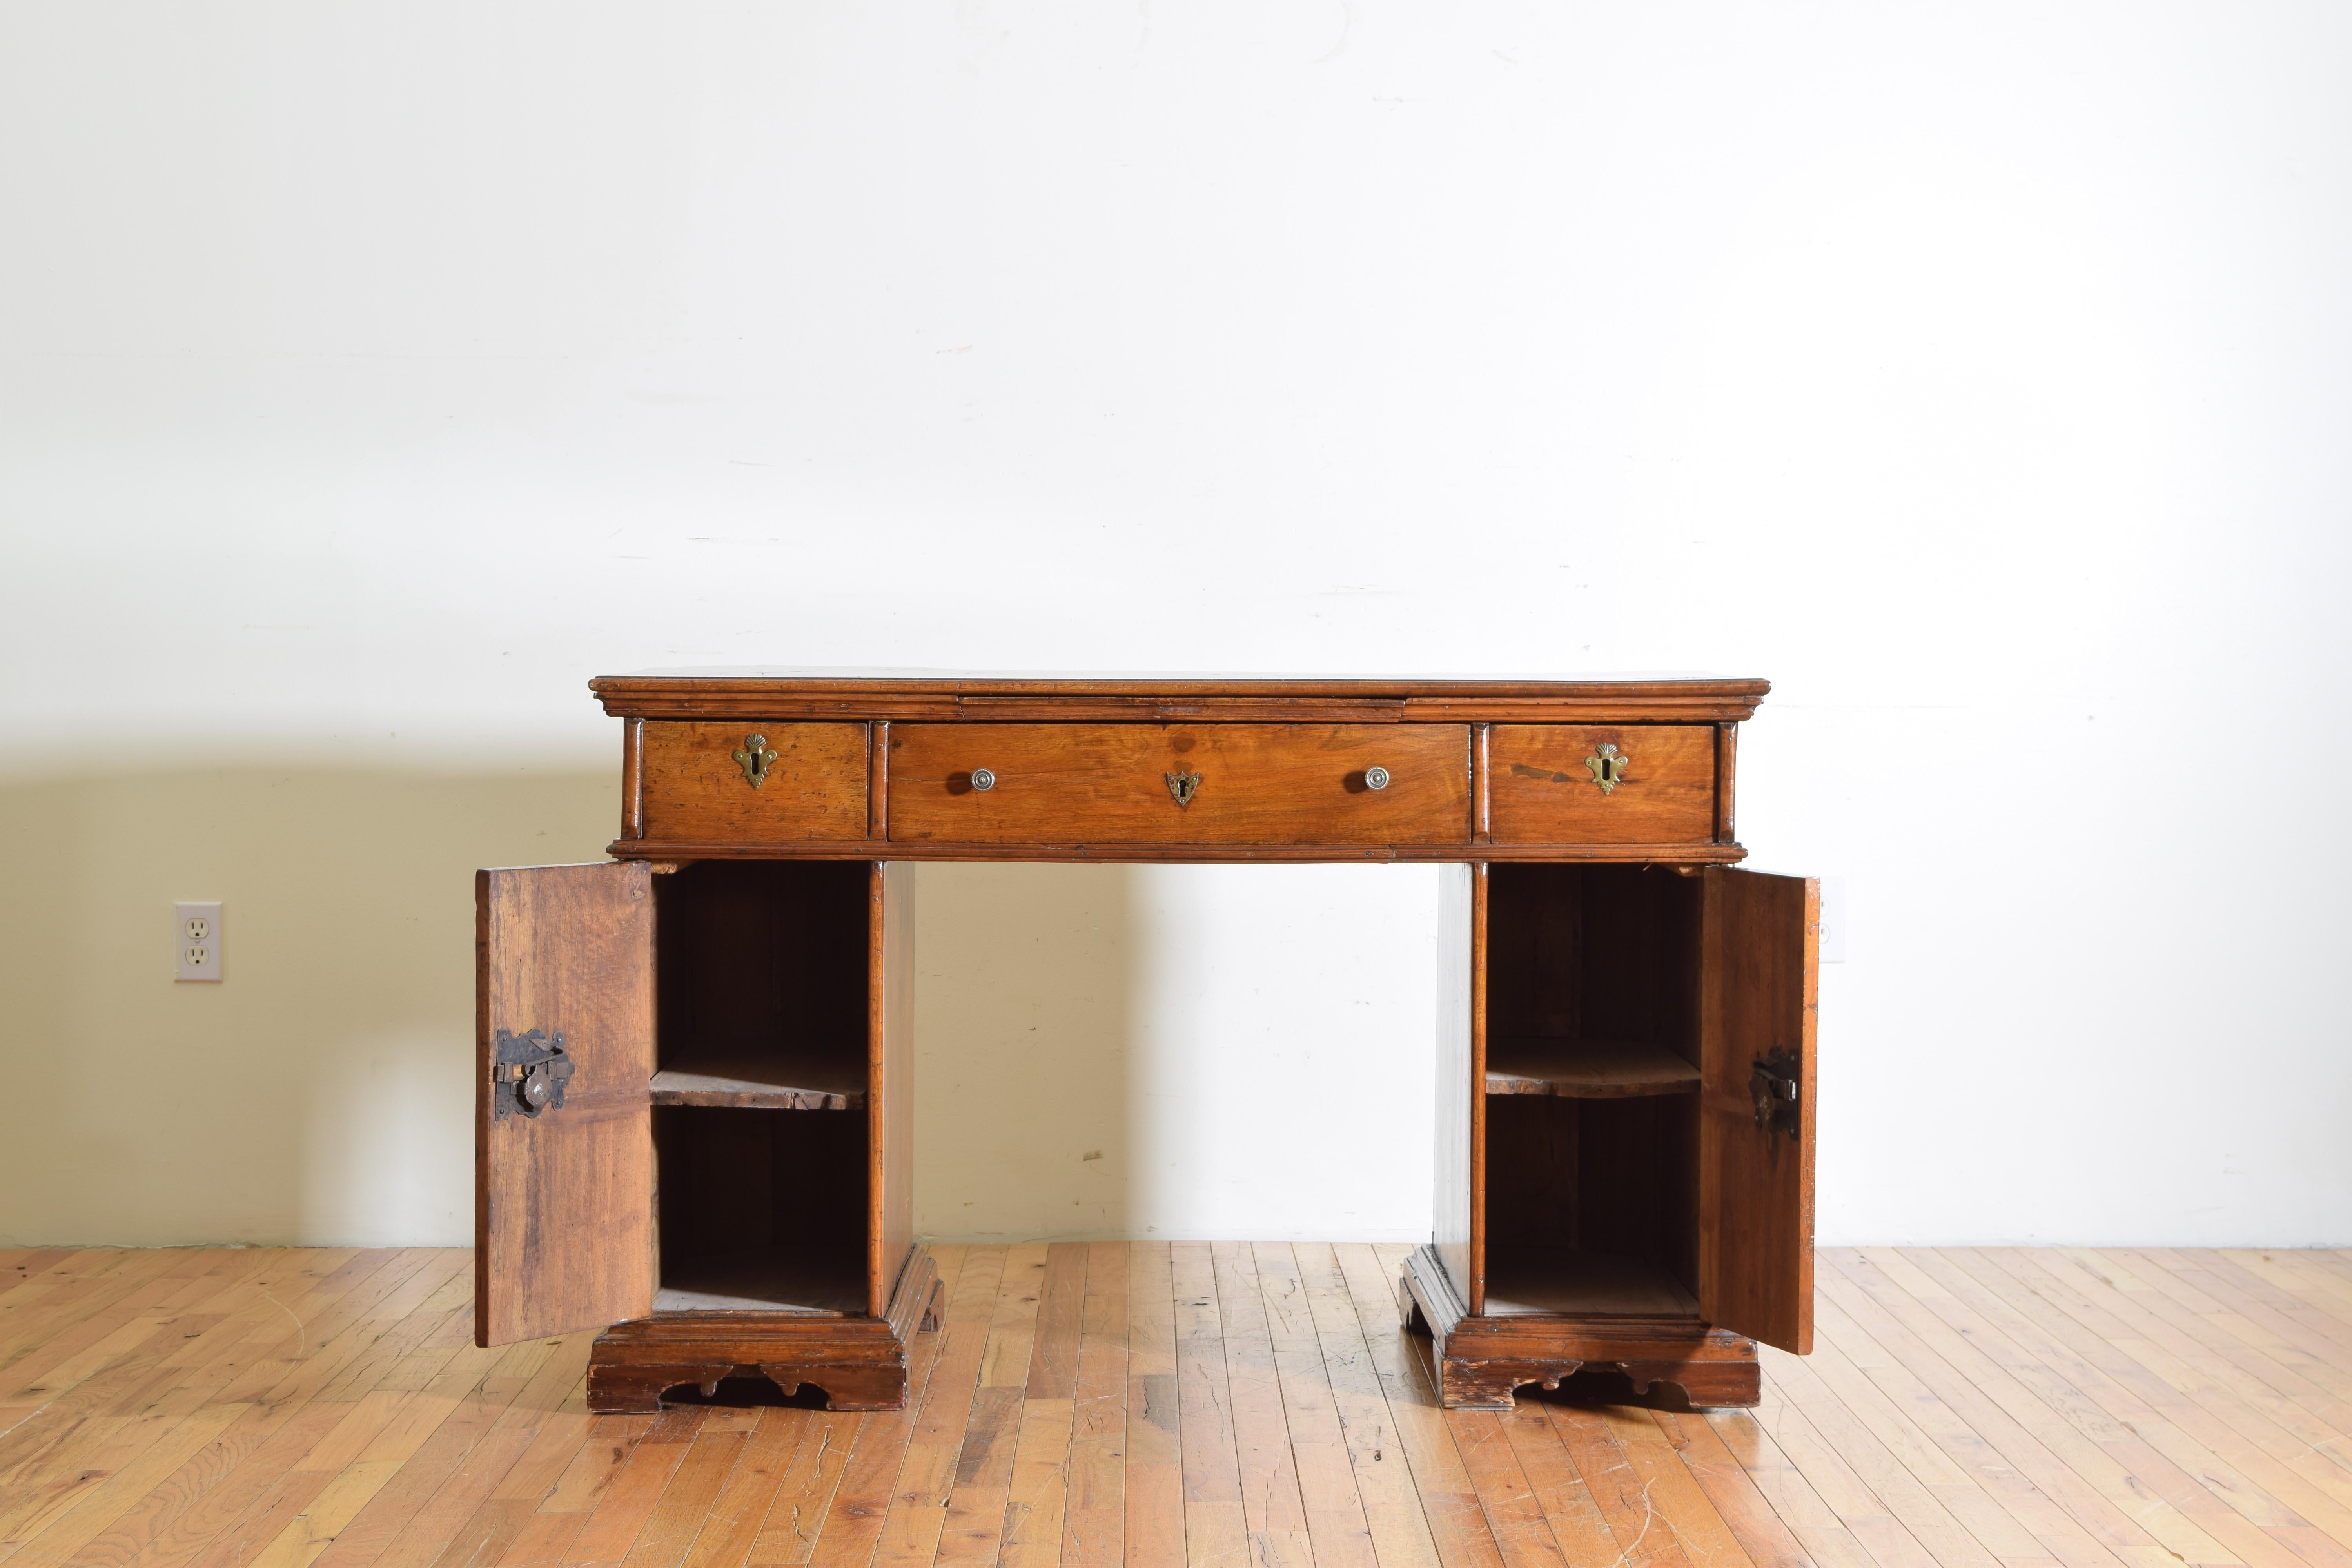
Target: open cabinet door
(563,1026)
(890,1079)
(1460,1210)
(1759,980)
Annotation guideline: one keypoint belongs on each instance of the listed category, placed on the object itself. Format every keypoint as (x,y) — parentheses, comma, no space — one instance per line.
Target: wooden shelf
(780,1282)
(1566,1279)
(1586,1070)
(755,1080)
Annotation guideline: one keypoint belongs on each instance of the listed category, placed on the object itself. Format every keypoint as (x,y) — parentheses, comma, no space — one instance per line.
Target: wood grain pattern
(1726,774)
(1482,787)
(1522,1277)
(752,1082)
(1964,1408)
(815,790)
(563,1201)
(1064,850)
(1544,794)
(1107,784)
(1095,1514)
(890,1063)
(757,1007)
(871,695)
(633,778)
(762,971)
(1456,1157)
(1585,1069)
(1154,1478)
(1759,976)
(1477,1363)
(1481,945)
(858,1361)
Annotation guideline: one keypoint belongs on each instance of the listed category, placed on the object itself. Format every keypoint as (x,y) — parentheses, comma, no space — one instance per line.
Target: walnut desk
(695,1106)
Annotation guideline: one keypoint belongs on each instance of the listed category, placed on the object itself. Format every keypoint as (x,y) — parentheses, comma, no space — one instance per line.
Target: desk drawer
(697,790)
(1109,784)
(1542,787)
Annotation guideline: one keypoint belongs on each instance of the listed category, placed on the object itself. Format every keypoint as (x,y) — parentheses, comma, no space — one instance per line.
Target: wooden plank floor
(1193,1406)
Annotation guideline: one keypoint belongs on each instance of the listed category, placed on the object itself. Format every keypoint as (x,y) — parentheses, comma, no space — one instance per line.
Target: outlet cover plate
(196,936)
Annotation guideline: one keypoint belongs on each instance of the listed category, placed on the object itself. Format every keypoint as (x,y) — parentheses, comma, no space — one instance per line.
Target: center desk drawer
(1120,783)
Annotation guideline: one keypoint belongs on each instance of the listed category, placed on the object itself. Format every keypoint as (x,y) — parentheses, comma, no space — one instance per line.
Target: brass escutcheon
(1608,765)
(755,759)
(1183,786)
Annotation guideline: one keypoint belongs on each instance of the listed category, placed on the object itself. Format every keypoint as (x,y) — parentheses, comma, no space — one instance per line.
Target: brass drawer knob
(1376,778)
(983,780)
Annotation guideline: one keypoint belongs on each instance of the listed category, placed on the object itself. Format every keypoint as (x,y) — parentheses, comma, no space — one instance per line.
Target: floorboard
(1187,1405)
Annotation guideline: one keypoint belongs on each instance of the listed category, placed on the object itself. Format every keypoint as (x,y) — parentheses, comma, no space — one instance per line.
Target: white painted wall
(371,377)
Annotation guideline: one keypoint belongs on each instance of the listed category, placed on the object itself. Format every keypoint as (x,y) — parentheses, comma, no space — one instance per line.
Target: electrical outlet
(196,931)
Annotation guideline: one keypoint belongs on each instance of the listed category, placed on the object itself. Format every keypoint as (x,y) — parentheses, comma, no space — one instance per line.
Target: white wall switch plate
(196,931)
(1832,919)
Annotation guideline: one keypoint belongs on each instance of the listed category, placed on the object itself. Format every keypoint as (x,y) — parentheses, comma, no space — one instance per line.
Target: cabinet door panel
(1759,979)
(1460,1208)
(564,1197)
(890,1083)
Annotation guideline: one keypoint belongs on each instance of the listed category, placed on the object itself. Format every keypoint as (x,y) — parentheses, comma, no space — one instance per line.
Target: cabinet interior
(759,1089)
(1592,1188)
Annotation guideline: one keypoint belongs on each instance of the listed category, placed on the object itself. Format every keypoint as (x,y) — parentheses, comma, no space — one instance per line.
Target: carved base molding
(859,1363)
(1482,1360)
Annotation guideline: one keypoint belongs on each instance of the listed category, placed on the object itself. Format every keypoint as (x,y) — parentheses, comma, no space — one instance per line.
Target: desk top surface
(936,694)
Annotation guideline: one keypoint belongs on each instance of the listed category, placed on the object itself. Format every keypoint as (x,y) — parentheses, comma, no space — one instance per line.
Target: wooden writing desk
(695,1089)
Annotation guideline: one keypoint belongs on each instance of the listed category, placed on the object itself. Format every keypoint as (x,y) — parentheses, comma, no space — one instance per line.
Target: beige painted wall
(1103,1050)
(319,1094)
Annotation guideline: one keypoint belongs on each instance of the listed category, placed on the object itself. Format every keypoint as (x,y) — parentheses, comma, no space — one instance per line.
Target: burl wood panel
(1107,784)
(890,1149)
(1541,791)
(693,788)
(563,1200)
(1758,991)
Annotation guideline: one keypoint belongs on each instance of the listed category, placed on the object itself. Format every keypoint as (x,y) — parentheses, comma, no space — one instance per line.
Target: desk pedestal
(1482,1360)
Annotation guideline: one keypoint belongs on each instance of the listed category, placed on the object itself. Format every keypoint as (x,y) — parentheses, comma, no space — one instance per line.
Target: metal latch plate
(1773,1086)
(528,1074)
